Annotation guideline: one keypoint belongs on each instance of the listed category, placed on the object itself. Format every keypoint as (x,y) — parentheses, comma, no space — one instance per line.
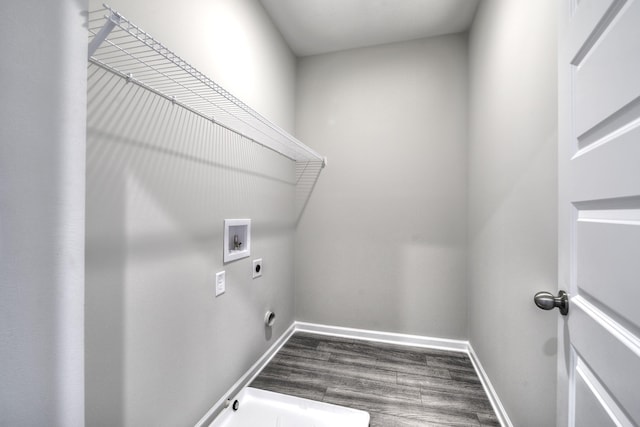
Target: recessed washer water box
(237,239)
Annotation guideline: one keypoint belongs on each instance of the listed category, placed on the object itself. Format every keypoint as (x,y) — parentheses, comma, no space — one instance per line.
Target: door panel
(594,411)
(596,405)
(600,344)
(593,180)
(586,16)
(605,77)
(609,252)
(599,212)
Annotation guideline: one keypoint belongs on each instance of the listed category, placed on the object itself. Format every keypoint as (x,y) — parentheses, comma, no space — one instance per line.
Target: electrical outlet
(257,267)
(220,283)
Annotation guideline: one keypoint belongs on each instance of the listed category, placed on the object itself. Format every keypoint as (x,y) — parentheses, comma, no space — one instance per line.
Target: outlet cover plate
(220,283)
(257,267)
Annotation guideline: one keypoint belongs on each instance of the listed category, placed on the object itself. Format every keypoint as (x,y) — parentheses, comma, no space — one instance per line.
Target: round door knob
(547,301)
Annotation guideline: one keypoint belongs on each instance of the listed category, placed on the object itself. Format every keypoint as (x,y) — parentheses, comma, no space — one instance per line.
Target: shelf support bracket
(112,21)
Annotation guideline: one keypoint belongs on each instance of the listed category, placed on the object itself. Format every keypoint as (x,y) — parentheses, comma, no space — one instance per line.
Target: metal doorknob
(547,301)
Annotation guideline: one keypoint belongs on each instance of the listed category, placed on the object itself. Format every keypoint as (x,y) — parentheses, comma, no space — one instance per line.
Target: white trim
(385,337)
(246,378)
(488,388)
(365,335)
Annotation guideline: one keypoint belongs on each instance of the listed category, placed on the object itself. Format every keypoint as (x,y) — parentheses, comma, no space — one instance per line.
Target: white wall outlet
(257,267)
(220,283)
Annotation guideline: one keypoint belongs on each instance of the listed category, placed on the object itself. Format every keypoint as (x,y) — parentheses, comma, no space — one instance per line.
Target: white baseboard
(488,388)
(386,337)
(366,335)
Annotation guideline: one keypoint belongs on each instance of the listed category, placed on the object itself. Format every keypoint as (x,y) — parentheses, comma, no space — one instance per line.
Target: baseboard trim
(365,335)
(385,337)
(488,388)
(246,378)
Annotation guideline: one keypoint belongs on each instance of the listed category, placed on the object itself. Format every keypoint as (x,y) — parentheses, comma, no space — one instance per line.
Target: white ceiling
(312,27)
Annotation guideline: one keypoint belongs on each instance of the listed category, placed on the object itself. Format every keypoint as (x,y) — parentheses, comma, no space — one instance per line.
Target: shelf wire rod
(186,107)
(197,95)
(163,67)
(147,65)
(302,172)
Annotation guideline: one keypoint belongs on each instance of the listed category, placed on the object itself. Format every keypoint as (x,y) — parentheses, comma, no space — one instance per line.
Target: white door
(599,228)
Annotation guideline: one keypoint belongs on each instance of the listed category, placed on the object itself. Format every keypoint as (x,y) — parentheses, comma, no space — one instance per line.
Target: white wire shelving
(118,45)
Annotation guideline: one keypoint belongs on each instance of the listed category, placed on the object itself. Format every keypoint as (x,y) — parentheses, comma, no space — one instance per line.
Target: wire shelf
(118,45)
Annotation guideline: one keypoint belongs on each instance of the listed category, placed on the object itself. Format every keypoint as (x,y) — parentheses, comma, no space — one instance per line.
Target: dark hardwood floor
(399,386)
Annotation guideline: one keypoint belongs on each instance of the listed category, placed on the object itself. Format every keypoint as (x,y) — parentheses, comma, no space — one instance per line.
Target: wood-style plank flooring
(399,386)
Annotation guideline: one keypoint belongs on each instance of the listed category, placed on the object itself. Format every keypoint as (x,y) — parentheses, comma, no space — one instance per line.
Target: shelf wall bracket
(109,25)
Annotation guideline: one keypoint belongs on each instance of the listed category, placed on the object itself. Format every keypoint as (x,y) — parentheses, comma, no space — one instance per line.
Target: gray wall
(42,135)
(160,347)
(381,244)
(512,202)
